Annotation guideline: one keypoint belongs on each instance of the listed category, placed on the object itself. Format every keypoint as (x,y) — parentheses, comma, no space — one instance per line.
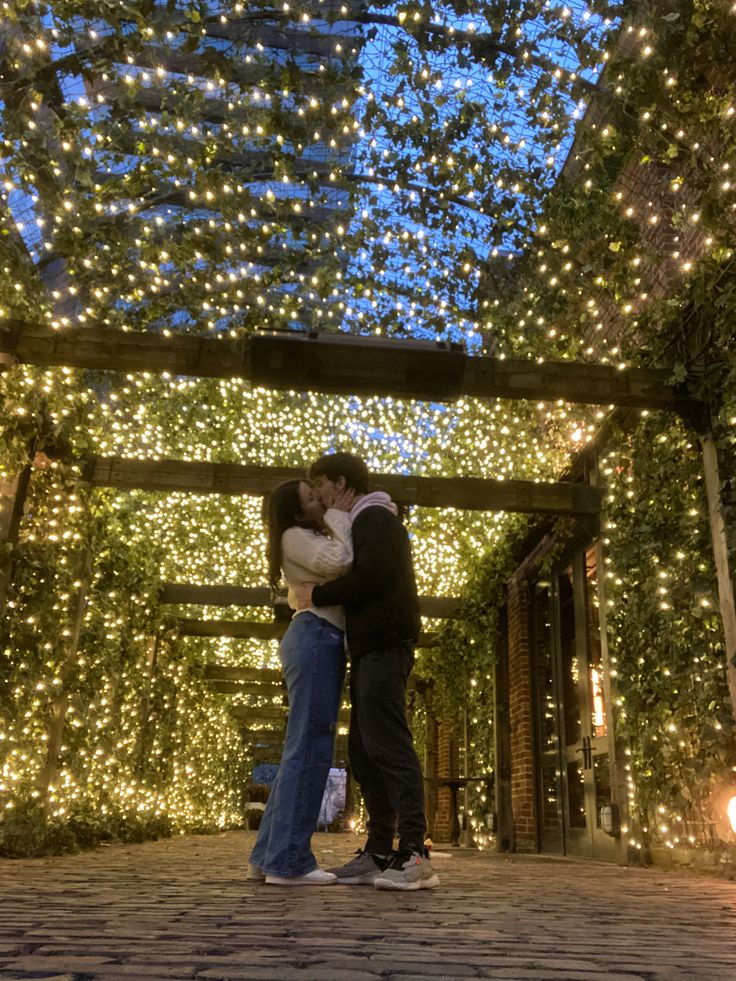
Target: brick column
(447,766)
(520,718)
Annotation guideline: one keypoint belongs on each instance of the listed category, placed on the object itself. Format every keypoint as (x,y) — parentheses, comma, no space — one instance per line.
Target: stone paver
(182,909)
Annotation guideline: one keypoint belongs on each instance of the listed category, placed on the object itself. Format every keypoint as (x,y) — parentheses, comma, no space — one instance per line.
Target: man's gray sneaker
(407,872)
(359,871)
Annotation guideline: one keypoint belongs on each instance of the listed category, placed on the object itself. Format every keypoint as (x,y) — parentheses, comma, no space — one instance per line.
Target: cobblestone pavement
(182,909)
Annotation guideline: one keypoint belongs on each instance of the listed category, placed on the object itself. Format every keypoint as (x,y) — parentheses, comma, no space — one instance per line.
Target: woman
(308,545)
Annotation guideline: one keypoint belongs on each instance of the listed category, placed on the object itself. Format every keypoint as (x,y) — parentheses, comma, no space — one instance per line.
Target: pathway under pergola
(181,908)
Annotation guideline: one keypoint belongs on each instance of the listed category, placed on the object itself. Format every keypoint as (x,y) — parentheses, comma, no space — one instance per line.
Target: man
(379,595)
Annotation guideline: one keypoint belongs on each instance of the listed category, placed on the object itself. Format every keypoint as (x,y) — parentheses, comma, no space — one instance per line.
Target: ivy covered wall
(674,717)
(675,731)
(107,728)
(634,264)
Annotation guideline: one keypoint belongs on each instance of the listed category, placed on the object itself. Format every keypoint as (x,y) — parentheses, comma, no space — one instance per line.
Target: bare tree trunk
(60,704)
(151,664)
(13,494)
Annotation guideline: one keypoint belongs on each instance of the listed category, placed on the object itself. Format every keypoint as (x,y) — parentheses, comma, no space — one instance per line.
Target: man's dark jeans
(382,755)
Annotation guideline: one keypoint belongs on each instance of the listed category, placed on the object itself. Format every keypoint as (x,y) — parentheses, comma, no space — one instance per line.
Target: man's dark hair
(336,465)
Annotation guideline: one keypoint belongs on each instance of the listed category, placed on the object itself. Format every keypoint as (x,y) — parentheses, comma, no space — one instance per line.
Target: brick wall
(520,718)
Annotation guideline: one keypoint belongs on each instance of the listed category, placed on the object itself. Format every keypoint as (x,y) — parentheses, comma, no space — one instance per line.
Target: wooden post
(60,704)
(720,553)
(430,761)
(13,492)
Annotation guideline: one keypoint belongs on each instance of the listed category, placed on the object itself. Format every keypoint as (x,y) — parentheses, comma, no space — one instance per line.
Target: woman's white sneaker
(317,877)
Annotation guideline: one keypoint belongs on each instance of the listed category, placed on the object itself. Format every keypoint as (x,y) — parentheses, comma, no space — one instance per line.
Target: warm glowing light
(731,812)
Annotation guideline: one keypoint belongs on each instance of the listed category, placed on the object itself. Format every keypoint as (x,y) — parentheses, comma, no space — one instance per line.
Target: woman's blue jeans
(313,660)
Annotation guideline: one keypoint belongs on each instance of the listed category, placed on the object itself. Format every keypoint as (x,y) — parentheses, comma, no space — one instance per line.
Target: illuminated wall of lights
(408,174)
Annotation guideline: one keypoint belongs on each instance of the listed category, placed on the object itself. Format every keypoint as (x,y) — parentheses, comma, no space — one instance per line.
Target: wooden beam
(256,714)
(466,493)
(115,350)
(222,672)
(435,607)
(265,747)
(348,364)
(187,476)
(249,688)
(264,754)
(252,630)
(273,740)
(272,675)
(184,594)
(342,364)
(272,754)
(268,737)
(239,629)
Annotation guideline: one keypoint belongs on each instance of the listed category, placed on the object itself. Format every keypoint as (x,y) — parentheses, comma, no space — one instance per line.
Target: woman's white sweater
(308,557)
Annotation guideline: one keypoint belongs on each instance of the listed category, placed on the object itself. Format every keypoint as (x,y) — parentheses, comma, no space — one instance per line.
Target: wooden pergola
(340,364)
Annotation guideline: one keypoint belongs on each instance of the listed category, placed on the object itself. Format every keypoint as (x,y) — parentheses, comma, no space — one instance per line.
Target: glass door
(598,776)
(551,821)
(572,726)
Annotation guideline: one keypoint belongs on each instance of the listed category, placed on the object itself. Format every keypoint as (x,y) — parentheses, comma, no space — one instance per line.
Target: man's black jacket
(379,593)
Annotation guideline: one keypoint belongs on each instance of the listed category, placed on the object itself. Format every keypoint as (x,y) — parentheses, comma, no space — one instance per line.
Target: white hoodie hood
(377,499)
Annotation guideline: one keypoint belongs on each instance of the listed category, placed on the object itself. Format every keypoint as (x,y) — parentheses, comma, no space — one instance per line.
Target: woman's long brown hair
(282,510)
